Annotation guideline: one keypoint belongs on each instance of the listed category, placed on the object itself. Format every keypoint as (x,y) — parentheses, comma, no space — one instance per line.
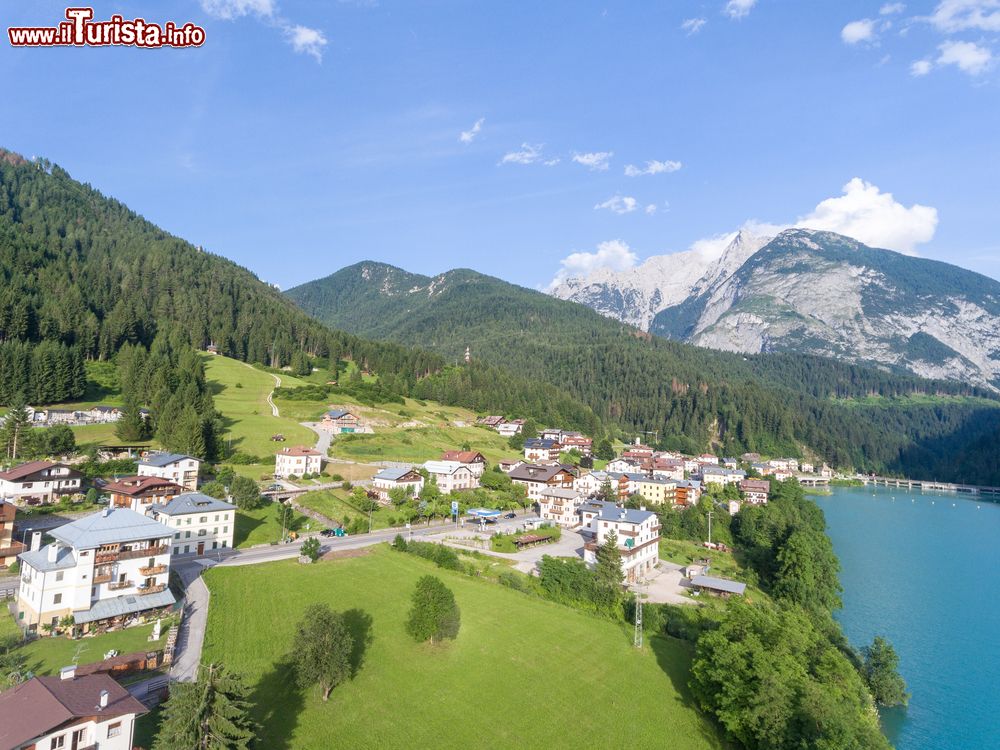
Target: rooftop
(535,472)
(393,473)
(42,704)
(719,584)
(124,605)
(160,460)
(137,485)
(26,469)
(192,502)
(299,450)
(338,413)
(611,512)
(109,526)
(561,492)
(442,467)
(39,559)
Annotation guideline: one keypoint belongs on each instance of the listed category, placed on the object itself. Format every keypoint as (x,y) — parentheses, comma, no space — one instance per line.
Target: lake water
(923,569)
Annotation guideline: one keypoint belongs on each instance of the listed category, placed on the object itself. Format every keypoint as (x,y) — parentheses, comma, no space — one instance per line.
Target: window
(177,535)
(225,529)
(189,522)
(57,599)
(202,532)
(59,576)
(216,516)
(114,729)
(215,531)
(203,519)
(58,742)
(187,534)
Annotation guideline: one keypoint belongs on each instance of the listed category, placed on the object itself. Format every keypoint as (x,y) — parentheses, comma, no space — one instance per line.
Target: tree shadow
(245,526)
(673,656)
(279,700)
(359,623)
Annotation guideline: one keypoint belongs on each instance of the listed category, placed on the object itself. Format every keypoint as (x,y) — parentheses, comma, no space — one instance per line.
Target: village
(136,559)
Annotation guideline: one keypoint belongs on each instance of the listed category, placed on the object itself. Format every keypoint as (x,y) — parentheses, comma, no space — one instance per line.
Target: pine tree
(131,427)
(15,428)
(322,649)
(210,714)
(609,563)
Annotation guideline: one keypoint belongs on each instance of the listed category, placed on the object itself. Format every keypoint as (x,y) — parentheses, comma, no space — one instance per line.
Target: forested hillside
(83,271)
(684,396)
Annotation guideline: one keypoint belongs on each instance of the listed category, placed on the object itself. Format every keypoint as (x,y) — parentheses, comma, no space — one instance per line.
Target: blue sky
(306,136)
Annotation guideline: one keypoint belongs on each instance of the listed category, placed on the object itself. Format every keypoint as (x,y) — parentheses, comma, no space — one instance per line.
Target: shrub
(336,478)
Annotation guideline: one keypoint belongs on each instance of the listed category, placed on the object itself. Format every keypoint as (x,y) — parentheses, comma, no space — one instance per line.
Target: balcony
(102,578)
(152,571)
(119,585)
(134,554)
(156,588)
(15,549)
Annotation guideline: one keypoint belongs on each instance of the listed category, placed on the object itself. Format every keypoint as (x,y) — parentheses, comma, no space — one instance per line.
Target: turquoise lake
(923,569)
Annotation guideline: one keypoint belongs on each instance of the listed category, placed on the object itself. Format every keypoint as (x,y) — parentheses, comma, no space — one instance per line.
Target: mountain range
(811,292)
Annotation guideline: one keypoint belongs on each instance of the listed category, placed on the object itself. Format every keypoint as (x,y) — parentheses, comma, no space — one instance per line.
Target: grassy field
(420,444)
(334,505)
(240,393)
(48,655)
(523,672)
(724,564)
(262,526)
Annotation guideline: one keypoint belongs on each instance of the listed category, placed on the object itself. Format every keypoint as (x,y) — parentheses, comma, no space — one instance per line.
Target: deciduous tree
(322,649)
(434,613)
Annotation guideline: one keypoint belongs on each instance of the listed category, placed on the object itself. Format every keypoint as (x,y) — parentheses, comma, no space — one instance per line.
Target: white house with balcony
(637,533)
(110,567)
(36,482)
(451,476)
(560,505)
(199,523)
(177,468)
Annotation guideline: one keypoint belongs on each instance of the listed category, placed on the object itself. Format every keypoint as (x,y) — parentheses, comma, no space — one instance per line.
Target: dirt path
(277,384)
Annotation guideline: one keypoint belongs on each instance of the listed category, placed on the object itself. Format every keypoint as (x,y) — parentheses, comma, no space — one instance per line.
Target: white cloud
(303,39)
(468,136)
(551,162)
(963,15)
(693,25)
(230,9)
(891,9)
(528,154)
(858,31)
(595,160)
(306,41)
(921,68)
(739,8)
(967,56)
(875,218)
(620,204)
(613,255)
(653,167)
(650,209)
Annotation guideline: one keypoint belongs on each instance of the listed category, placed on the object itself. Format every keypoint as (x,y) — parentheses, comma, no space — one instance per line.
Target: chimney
(36,541)
(53,551)
(104,699)
(67,673)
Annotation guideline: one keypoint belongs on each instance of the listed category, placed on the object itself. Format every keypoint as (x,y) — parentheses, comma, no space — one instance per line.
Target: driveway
(323,437)
(191,635)
(570,544)
(666,585)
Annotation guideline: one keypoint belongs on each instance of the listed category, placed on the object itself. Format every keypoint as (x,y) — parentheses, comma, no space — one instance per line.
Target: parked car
(328,532)
(512,514)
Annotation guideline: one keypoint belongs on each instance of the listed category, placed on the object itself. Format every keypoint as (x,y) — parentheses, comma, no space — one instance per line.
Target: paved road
(323,437)
(191,635)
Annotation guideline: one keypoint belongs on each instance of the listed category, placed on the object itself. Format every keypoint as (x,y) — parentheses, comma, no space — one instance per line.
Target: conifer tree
(210,714)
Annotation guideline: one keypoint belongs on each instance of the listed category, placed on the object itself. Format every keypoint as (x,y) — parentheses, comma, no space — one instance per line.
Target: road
(277,384)
(323,437)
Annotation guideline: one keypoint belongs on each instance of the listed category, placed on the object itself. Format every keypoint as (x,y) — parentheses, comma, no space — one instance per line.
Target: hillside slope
(685,396)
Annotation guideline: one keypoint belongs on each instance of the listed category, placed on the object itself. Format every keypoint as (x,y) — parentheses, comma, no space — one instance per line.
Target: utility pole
(709,527)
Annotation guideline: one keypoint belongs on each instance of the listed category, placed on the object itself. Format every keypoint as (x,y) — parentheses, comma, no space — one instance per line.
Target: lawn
(47,655)
(101,434)
(420,444)
(263,525)
(240,393)
(724,564)
(523,672)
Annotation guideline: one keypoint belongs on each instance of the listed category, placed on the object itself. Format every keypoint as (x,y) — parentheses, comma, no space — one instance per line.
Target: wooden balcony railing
(152,571)
(134,554)
(103,578)
(156,588)
(119,585)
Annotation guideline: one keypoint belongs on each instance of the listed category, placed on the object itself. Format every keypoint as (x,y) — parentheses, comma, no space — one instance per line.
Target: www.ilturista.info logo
(80,30)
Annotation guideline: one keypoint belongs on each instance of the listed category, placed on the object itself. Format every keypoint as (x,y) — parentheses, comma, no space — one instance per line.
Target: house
(451,476)
(755,491)
(778,464)
(707,459)
(638,537)
(61,416)
(68,712)
(750,458)
(110,567)
(718,475)
(508,465)
(637,452)
(691,465)
(297,461)
(540,449)
(199,523)
(39,482)
(536,478)
(730,463)
(622,464)
(339,421)
(551,433)
(179,469)
(589,483)
(560,505)
(491,421)
(386,480)
(826,472)
(574,440)
(511,428)
(668,468)
(806,468)
(657,491)
(139,493)
(688,492)
(9,549)
(780,475)
(718,586)
(473,460)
